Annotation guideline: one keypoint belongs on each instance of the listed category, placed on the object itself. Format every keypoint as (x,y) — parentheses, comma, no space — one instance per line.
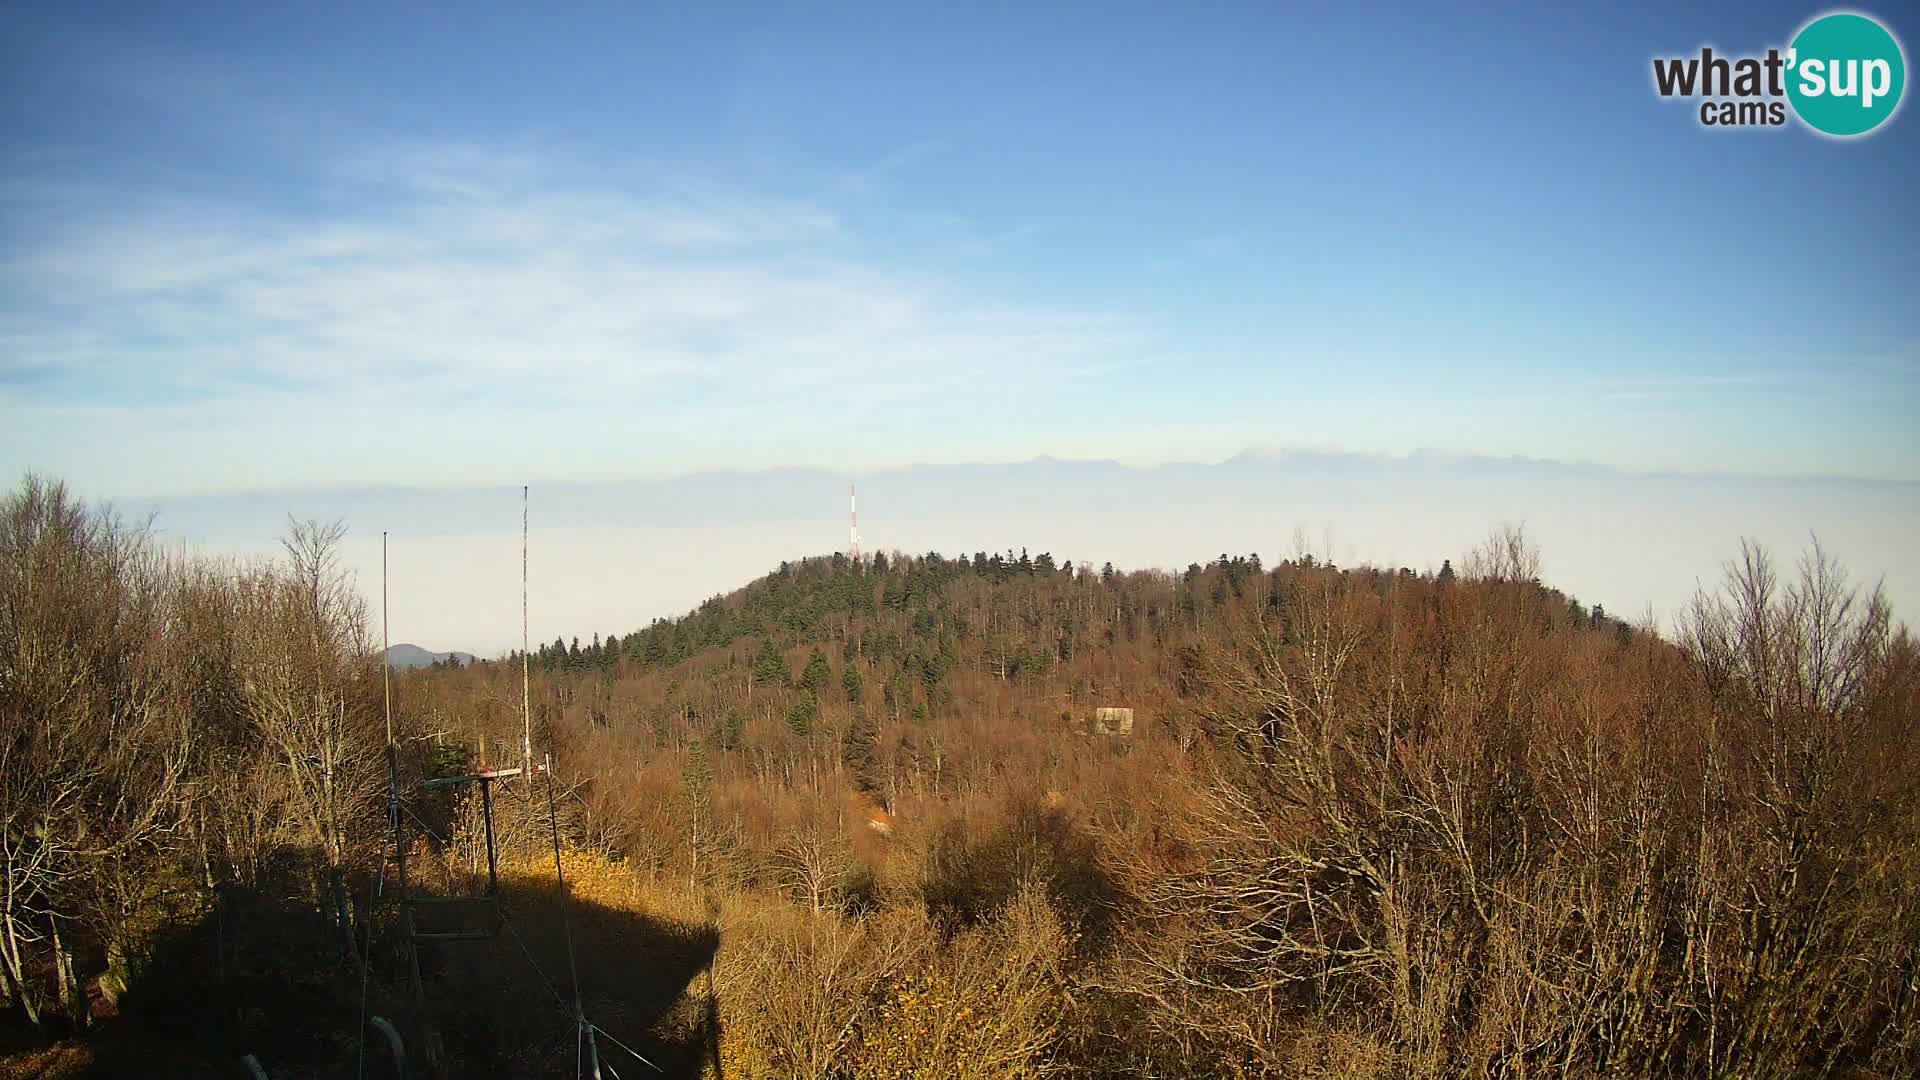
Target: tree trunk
(16,975)
(73,1000)
(343,912)
(693,867)
(219,893)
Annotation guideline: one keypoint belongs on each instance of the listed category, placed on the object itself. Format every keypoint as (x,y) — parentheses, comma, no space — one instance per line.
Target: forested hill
(905,676)
(918,680)
(1048,606)
(1338,781)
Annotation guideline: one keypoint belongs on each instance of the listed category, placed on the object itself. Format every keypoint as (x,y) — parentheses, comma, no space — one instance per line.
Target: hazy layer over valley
(612,556)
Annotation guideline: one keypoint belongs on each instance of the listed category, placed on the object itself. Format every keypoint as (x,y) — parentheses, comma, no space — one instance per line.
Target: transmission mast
(853,523)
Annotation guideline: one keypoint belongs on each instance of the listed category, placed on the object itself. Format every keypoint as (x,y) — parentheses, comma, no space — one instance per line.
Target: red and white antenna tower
(853,523)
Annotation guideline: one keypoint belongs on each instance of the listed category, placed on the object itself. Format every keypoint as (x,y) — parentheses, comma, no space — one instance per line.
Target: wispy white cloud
(449,271)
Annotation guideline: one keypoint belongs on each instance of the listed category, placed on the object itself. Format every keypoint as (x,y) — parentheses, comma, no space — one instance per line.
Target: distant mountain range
(404,656)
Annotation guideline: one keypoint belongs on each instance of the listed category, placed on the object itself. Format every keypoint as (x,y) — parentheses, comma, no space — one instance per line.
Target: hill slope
(1327,766)
(405,656)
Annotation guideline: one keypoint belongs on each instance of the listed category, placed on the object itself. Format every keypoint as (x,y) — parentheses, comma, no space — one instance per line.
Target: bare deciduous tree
(1506,555)
(90,753)
(308,691)
(815,865)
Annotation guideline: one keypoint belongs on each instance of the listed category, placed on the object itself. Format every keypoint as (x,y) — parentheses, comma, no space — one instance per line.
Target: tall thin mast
(526,694)
(386,640)
(583,1029)
(853,523)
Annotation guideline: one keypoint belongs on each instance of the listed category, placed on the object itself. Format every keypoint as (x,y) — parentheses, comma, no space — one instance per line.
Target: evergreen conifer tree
(816,675)
(769,665)
(803,713)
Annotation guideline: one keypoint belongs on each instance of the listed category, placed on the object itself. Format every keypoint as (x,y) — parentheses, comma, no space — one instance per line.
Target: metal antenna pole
(526,694)
(395,825)
(583,1031)
(386,680)
(386,640)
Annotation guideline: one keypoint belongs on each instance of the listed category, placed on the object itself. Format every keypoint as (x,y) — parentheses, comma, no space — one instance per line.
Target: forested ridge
(856,819)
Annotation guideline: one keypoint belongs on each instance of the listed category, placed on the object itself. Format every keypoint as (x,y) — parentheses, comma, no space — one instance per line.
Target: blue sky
(247,249)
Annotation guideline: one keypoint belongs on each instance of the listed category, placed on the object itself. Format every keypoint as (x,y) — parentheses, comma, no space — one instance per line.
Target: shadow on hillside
(264,977)
(637,976)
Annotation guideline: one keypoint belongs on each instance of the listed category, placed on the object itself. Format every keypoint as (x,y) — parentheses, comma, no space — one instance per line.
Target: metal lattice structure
(492,918)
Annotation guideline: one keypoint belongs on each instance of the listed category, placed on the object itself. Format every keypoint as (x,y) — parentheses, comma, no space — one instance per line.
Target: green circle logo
(1845,73)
